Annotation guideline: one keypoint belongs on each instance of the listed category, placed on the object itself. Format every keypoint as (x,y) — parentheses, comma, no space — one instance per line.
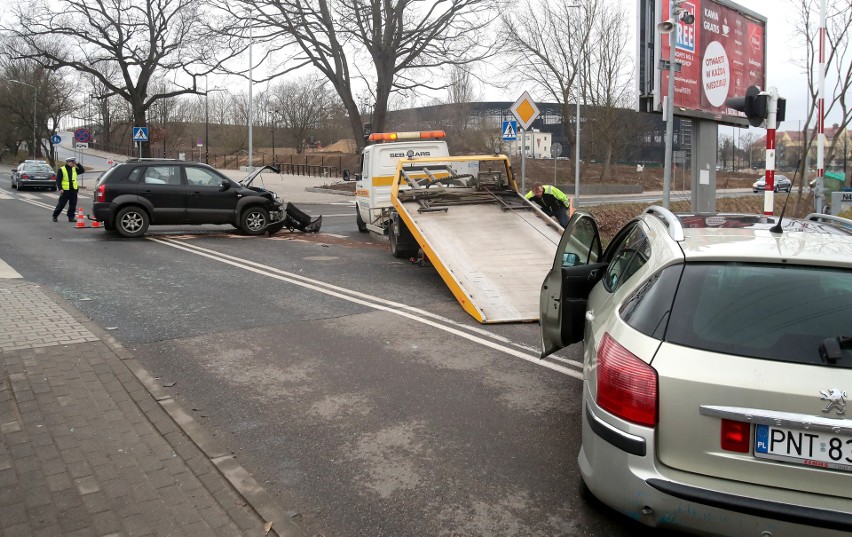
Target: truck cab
(378,167)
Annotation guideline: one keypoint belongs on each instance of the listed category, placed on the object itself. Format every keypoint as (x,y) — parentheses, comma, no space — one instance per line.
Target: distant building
(643,142)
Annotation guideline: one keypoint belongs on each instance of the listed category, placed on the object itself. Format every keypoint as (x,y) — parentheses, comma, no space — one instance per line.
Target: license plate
(810,448)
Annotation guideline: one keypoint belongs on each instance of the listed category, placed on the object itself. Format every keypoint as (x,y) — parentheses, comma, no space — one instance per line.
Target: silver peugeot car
(717,368)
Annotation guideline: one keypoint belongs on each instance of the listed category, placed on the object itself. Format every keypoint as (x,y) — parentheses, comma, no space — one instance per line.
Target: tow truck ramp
(491,246)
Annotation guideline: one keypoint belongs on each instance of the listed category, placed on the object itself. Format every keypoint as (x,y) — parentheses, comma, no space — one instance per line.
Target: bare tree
(404,43)
(53,100)
(838,66)
(300,104)
(123,44)
(607,80)
(546,44)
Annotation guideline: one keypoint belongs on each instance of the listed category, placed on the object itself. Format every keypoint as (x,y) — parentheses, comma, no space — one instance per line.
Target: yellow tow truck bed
(492,247)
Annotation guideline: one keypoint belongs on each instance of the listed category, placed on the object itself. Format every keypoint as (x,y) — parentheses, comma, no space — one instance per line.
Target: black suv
(141,192)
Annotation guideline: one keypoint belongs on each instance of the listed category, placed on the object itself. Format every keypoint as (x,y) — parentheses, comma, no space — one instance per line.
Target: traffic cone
(81,219)
(95,223)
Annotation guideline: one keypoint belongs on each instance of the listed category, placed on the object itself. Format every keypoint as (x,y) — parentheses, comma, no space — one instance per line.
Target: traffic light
(754,105)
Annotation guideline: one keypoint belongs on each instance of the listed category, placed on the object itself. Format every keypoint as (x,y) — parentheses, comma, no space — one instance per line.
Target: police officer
(552,201)
(66,182)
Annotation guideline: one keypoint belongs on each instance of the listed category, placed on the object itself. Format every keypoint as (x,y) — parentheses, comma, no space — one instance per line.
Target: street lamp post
(577,134)
(35,101)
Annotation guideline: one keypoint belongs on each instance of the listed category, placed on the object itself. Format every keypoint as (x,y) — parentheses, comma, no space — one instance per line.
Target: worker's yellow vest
(65,178)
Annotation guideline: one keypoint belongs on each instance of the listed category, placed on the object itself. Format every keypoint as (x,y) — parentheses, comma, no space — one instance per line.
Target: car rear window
(772,312)
(38,168)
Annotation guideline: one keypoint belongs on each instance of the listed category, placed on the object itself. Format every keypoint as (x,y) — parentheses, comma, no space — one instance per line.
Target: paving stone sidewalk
(90,445)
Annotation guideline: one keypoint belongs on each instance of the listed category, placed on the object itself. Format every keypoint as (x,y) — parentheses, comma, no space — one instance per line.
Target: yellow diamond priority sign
(525,111)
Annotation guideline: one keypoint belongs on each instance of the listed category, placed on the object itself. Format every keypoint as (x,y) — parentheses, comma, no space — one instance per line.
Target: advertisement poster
(721,54)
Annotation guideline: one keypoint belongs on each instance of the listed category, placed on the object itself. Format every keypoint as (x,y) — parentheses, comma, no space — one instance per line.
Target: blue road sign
(140,134)
(55,139)
(510,131)
(82,135)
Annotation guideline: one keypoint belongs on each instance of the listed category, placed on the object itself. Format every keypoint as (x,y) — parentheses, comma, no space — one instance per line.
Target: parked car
(32,174)
(139,193)
(717,366)
(782,184)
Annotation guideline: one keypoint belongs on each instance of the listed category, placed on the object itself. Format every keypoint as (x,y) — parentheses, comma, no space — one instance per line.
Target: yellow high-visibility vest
(65,182)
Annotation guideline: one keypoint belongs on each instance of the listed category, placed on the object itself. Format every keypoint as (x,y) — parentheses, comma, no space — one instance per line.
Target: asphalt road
(349,383)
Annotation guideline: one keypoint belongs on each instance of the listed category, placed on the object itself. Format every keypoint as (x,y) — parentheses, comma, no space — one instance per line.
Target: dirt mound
(346,145)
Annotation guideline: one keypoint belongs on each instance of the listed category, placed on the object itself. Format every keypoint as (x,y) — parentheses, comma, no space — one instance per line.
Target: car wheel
(362,227)
(254,220)
(131,222)
(14,185)
(396,232)
(53,188)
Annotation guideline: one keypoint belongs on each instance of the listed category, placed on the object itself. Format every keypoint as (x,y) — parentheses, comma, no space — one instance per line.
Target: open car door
(565,290)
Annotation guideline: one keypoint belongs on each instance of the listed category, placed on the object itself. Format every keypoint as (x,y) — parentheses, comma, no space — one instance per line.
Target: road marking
(474,334)
(7,272)
(347,215)
(5,196)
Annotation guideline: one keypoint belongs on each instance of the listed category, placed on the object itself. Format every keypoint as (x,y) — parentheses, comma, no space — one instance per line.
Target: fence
(299,164)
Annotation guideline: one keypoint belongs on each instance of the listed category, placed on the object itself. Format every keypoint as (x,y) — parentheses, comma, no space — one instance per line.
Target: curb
(256,497)
(329,191)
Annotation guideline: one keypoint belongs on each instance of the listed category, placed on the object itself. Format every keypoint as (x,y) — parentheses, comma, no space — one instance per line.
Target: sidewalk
(92,445)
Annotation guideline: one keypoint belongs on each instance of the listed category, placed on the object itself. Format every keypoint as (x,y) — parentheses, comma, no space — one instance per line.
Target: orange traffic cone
(96,223)
(81,220)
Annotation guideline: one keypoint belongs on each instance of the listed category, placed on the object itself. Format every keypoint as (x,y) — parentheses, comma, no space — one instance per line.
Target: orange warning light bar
(409,135)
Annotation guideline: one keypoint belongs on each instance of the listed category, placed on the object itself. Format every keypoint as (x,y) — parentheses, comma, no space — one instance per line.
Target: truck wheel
(254,220)
(362,227)
(131,222)
(398,234)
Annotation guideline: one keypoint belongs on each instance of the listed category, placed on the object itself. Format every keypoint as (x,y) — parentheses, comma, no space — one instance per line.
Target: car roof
(814,240)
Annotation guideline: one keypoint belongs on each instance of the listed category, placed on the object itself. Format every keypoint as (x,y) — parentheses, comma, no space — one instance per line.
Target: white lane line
(29,196)
(378,303)
(5,196)
(7,272)
(347,215)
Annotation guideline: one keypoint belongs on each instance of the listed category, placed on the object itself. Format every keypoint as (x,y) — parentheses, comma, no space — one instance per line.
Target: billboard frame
(649,77)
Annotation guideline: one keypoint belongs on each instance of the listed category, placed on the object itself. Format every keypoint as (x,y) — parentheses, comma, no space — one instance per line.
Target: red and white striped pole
(771,125)
(819,191)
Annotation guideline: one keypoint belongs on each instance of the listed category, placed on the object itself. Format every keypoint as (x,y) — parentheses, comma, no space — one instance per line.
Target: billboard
(721,54)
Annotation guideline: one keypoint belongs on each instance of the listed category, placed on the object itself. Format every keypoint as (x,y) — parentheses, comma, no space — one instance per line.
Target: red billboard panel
(721,54)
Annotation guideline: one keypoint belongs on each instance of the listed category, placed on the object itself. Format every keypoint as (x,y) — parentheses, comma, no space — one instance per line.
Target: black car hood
(253,175)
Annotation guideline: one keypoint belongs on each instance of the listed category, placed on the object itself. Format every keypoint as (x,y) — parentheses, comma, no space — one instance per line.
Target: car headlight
(755,185)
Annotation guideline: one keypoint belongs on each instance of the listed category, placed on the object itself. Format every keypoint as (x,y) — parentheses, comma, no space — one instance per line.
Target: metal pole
(35,138)
(577,155)
(667,170)
(206,126)
(524,161)
(819,191)
(251,80)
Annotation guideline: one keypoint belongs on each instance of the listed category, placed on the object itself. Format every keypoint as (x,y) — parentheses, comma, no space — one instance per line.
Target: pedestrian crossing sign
(140,134)
(510,131)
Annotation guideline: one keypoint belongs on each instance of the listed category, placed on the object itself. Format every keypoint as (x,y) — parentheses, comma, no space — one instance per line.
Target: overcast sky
(783,49)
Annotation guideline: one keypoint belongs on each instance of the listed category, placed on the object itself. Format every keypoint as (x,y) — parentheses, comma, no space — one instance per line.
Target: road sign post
(555,151)
(140,134)
(525,111)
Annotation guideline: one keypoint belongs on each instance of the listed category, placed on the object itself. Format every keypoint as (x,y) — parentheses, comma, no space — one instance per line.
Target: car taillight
(627,386)
(24,176)
(100,193)
(736,436)
(53,177)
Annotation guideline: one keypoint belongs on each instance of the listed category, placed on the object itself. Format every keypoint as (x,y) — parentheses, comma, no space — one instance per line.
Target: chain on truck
(465,215)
